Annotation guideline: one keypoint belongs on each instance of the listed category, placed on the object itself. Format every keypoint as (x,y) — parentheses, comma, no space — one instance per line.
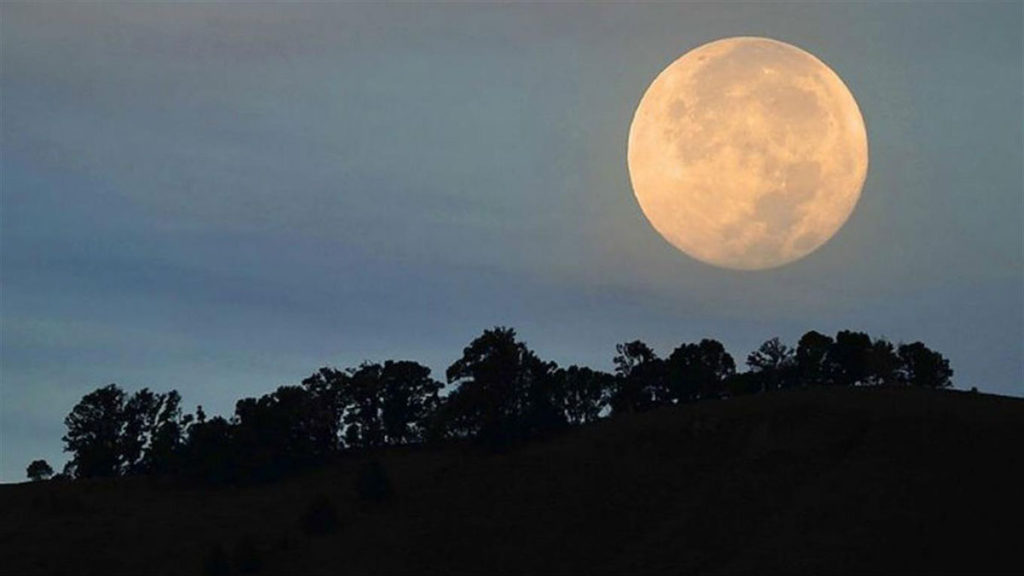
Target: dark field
(804,481)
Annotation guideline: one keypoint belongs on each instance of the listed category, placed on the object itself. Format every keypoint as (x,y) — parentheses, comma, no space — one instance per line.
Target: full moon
(747,153)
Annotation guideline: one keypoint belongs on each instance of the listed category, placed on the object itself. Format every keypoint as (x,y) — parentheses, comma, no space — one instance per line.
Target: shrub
(39,470)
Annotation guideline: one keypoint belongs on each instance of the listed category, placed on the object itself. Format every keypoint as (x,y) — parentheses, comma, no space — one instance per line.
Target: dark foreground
(833,481)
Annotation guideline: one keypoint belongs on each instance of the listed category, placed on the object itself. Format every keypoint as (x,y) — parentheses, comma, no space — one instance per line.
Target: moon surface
(747,153)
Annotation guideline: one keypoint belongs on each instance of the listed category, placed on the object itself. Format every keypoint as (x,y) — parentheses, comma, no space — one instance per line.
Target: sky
(220,199)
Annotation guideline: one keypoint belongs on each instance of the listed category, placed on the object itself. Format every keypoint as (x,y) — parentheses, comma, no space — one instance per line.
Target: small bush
(372,483)
(320,517)
(38,470)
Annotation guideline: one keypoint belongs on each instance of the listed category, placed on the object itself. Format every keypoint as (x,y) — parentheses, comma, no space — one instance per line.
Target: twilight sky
(222,198)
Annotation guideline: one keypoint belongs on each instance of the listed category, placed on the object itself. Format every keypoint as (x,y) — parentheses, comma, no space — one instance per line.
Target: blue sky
(222,198)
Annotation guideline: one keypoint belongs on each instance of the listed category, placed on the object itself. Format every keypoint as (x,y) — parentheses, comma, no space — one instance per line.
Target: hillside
(803,481)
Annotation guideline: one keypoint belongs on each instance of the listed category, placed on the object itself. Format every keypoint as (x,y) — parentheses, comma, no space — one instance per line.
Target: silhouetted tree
(67,472)
(209,453)
(277,431)
(773,363)
(94,433)
(409,398)
(387,404)
(457,416)
(640,378)
(632,355)
(111,433)
(882,364)
(584,393)
(140,413)
(811,354)
(503,392)
(374,404)
(699,370)
(38,470)
(326,389)
(921,366)
(166,436)
(363,400)
(847,358)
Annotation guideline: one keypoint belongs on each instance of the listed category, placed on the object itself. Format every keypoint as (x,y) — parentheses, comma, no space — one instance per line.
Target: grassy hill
(803,481)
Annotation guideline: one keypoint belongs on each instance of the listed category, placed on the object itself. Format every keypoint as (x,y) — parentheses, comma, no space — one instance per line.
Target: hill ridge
(807,481)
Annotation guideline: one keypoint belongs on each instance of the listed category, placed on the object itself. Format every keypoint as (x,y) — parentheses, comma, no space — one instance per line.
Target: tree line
(499,393)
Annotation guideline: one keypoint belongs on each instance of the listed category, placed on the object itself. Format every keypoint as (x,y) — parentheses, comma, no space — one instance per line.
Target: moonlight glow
(747,153)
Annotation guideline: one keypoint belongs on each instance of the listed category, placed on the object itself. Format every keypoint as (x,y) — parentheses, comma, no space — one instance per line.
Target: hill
(814,481)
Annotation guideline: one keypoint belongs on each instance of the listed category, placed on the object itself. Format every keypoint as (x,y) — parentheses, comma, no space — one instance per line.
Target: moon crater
(747,153)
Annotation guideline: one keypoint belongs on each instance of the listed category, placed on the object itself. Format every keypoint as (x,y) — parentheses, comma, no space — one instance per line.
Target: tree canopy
(38,470)
(499,392)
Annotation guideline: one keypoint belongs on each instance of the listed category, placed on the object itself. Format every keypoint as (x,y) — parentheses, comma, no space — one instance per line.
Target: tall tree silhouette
(584,393)
(811,354)
(167,439)
(140,414)
(388,404)
(773,362)
(109,433)
(882,363)
(209,453)
(94,433)
(363,399)
(409,397)
(847,358)
(326,389)
(640,378)
(699,370)
(278,431)
(503,390)
(924,367)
